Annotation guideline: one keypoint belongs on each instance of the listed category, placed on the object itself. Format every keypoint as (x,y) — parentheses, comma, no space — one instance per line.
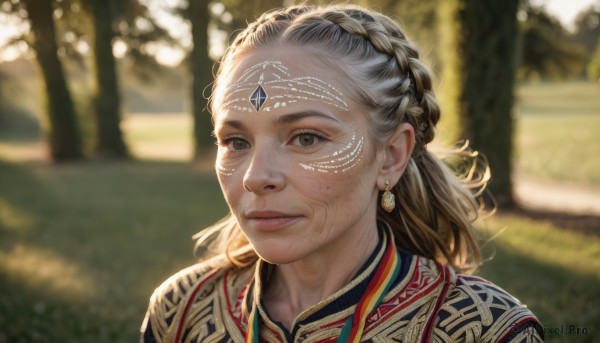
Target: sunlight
(165,136)
(14,219)
(169,56)
(119,48)
(565,11)
(24,152)
(545,243)
(11,27)
(38,267)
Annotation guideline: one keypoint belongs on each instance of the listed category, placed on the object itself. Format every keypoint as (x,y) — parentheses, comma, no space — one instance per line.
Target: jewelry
(259,96)
(388,200)
(274,75)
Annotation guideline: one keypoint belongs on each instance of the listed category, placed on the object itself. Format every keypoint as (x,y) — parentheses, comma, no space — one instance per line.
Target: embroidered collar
(341,302)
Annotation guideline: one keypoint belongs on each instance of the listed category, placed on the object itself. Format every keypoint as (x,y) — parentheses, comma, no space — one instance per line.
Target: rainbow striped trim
(387,271)
(253,333)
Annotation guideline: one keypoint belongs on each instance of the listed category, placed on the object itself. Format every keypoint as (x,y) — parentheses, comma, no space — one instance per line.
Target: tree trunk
(107,100)
(63,131)
(201,68)
(487,45)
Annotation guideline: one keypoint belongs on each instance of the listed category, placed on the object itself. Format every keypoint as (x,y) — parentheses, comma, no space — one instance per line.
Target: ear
(397,152)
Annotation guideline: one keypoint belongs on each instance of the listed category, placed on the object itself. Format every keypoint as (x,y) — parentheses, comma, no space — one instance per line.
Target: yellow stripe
(375,296)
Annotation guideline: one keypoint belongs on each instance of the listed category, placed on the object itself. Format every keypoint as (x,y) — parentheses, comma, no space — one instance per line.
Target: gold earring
(388,200)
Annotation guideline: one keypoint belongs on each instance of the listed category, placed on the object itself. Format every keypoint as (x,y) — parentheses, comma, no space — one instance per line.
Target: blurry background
(106,154)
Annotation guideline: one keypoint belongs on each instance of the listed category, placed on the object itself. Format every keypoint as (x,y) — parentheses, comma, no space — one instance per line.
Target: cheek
(228,173)
(231,186)
(336,194)
(338,162)
(223,166)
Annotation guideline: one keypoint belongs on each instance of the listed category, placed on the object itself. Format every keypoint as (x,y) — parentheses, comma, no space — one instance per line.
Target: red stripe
(440,300)
(378,294)
(229,307)
(189,303)
(408,301)
(369,295)
(386,265)
(377,278)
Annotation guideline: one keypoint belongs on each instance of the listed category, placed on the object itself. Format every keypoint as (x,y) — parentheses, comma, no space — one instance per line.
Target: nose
(265,173)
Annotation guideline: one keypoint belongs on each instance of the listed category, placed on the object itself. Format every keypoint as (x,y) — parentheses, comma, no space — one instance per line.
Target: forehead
(269,79)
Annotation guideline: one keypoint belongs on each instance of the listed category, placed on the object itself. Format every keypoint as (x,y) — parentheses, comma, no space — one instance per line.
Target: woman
(344,226)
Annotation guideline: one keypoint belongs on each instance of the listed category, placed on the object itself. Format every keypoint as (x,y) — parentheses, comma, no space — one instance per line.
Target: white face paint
(339,161)
(251,91)
(307,156)
(223,170)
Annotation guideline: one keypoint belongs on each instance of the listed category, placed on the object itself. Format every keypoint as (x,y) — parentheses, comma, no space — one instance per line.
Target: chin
(276,253)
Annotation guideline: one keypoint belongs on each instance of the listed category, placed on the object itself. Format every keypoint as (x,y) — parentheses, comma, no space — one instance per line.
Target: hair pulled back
(435,205)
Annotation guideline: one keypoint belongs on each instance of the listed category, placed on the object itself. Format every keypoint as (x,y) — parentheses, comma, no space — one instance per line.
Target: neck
(297,286)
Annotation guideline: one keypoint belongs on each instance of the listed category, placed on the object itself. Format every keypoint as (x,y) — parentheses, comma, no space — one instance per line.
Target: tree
(107,101)
(593,68)
(105,16)
(486,46)
(63,131)
(65,38)
(197,13)
(238,13)
(587,33)
(547,50)
(587,27)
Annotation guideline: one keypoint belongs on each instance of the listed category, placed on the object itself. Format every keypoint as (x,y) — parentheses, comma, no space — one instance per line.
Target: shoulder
(476,309)
(175,297)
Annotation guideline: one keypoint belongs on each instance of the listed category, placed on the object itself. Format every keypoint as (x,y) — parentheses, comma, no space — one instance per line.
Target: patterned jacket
(428,302)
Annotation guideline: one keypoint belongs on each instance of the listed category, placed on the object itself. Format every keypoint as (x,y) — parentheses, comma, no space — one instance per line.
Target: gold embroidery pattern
(404,317)
(165,302)
(478,311)
(474,310)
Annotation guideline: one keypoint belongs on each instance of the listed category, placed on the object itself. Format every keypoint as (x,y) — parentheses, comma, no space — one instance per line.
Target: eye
(236,144)
(307,139)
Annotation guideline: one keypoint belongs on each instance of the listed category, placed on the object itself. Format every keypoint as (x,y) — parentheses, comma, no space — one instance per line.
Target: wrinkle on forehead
(281,88)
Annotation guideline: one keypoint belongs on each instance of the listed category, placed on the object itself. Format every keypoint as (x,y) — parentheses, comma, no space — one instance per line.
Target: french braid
(435,209)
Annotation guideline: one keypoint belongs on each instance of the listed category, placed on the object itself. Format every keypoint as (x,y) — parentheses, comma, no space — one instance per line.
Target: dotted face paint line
(339,161)
(224,171)
(250,93)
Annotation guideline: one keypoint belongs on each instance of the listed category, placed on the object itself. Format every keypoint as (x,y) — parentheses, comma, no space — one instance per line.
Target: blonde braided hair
(435,208)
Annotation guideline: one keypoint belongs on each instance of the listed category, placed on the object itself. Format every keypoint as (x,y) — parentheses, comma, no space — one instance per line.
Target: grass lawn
(82,245)
(554,271)
(558,132)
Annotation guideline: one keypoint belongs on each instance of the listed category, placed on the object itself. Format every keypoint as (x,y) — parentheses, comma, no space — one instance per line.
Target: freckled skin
(331,212)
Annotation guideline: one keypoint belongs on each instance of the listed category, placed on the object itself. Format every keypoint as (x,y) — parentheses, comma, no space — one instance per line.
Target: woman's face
(295,160)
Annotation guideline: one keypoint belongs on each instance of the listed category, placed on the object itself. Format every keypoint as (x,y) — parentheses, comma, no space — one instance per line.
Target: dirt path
(556,197)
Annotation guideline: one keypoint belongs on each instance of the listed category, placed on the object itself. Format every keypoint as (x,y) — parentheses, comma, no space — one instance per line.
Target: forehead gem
(258,98)
(275,75)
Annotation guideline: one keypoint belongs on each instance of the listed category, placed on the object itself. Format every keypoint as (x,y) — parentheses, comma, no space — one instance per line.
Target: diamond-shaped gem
(258,98)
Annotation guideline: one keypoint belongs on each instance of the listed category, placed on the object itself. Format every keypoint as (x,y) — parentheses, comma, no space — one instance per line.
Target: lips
(270,220)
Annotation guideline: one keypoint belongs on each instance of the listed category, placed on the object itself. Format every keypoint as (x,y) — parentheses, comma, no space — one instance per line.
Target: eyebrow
(294,117)
(236,124)
(284,119)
